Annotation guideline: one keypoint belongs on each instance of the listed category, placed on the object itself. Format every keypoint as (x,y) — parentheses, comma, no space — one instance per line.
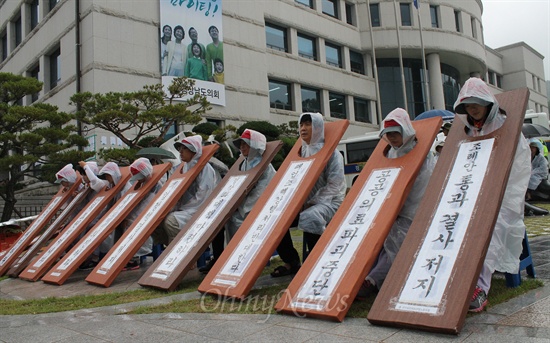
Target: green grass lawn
(538,225)
(260,301)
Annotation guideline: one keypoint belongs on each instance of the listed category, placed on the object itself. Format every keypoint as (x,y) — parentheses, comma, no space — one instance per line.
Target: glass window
(279,95)
(35,9)
(337,104)
(434,16)
(308,3)
(474,28)
(18,26)
(311,100)
(356,62)
(307,47)
(52,4)
(4,46)
(362,112)
(330,7)
(491,77)
(275,37)
(405,14)
(55,68)
(333,55)
(349,14)
(375,15)
(34,73)
(458,21)
(499,80)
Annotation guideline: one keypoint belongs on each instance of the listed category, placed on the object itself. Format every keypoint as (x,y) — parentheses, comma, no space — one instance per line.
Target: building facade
(281,57)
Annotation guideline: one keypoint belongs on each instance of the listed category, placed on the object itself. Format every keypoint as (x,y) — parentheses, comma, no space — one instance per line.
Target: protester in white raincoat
(190,149)
(252,145)
(323,200)
(539,164)
(401,136)
(66,176)
(141,170)
(107,178)
(478,109)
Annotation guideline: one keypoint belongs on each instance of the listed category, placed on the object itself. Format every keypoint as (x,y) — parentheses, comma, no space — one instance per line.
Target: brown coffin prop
(47,213)
(99,232)
(249,251)
(39,242)
(134,237)
(330,278)
(432,279)
(180,256)
(70,233)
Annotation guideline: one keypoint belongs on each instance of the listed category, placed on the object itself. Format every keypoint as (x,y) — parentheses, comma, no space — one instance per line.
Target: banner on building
(191,45)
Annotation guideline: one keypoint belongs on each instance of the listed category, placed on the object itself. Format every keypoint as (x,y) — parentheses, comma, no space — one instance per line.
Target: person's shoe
(367,288)
(479,300)
(208,266)
(88,265)
(133,264)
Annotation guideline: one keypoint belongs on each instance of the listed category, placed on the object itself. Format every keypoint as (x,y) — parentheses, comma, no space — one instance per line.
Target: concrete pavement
(523,319)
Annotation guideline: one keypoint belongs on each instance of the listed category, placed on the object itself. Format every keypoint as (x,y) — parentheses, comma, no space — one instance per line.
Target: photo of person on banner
(197,55)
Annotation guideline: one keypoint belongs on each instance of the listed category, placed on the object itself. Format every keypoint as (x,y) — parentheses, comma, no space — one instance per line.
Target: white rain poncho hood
(539,165)
(196,143)
(141,169)
(200,189)
(329,190)
(317,135)
(66,173)
(506,241)
(401,116)
(98,184)
(476,88)
(257,143)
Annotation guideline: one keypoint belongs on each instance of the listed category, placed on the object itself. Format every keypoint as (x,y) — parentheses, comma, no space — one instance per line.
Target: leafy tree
(132,116)
(35,141)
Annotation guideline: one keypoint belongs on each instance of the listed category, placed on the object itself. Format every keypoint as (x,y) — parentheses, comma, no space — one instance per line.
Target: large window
(333,55)
(349,14)
(434,15)
(35,9)
(307,47)
(337,104)
(276,37)
(330,7)
(357,63)
(34,72)
(311,100)
(308,3)
(474,28)
(405,9)
(451,86)
(18,27)
(375,15)
(52,4)
(55,68)
(361,108)
(279,95)
(4,46)
(458,21)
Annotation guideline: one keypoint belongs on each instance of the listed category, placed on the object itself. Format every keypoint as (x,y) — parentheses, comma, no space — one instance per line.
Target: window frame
(458,21)
(272,104)
(362,70)
(35,14)
(374,11)
(338,50)
(334,96)
(303,2)
(317,92)
(366,104)
(334,8)
(313,40)
(405,6)
(434,16)
(285,37)
(54,62)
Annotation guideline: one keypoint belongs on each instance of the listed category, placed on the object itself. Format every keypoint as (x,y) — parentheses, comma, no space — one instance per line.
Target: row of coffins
(428,286)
